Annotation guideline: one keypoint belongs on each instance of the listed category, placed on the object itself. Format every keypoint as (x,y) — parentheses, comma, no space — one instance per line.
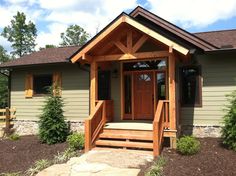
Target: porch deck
(130,125)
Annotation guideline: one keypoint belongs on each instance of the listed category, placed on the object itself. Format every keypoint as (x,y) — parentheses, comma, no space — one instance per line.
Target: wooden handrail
(6,116)
(160,122)
(102,113)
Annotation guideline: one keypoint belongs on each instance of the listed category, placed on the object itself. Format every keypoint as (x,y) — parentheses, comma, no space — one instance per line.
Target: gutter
(223,50)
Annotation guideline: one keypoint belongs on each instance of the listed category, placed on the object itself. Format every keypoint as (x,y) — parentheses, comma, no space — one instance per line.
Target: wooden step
(113,143)
(131,132)
(109,135)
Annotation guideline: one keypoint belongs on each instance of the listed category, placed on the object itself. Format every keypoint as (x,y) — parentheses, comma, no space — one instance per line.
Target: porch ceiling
(112,40)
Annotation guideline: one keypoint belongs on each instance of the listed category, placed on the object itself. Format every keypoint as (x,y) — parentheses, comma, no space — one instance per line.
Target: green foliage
(74,35)
(38,166)
(157,167)
(188,145)
(76,141)
(52,126)
(48,46)
(21,35)
(3,80)
(229,129)
(64,156)
(14,137)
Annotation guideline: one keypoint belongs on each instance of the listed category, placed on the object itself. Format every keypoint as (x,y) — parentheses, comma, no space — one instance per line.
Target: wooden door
(143,95)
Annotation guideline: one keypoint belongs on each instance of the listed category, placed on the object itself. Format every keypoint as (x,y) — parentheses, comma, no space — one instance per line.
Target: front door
(143,95)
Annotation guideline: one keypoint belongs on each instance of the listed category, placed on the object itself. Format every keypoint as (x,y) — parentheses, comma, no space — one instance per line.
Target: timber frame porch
(126,40)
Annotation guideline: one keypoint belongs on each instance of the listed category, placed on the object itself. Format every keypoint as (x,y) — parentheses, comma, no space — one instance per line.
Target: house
(139,80)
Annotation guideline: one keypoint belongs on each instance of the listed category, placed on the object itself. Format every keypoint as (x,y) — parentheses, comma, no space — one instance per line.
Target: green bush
(157,167)
(188,145)
(14,137)
(76,141)
(52,126)
(228,131)
(63,157)
(38,166)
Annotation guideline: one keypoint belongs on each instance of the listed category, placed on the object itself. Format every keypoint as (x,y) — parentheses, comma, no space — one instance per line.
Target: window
(191,86)
(145,65)
(41,83)
(104,84)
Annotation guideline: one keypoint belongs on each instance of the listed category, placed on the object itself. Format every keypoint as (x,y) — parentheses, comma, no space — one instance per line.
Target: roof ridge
(223,30)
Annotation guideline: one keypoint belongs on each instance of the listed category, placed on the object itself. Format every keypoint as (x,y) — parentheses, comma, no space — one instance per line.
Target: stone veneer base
(201,131)
(30,127)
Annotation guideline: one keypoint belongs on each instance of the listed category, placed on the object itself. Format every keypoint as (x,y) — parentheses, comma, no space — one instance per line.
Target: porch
(132,87)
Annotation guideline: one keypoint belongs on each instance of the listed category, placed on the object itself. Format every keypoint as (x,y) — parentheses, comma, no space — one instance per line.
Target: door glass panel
(128,103)
(161,87)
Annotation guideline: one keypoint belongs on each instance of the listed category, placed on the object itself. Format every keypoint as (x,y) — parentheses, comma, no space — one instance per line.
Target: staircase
(125,138)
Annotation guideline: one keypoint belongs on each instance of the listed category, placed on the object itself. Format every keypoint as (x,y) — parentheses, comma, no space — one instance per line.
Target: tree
(3,80)
(52,126)
(74,35)
(21,35)
(48,46)
(229,128)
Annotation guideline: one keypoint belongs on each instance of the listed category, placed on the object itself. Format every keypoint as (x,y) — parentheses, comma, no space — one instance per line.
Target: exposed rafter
(126,19)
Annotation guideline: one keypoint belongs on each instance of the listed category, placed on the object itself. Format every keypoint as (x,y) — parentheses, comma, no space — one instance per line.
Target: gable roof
(222,39)
(173,29)
(44,56)
(125,18)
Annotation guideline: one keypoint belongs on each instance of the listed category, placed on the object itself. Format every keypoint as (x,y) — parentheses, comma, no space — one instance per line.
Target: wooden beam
(98,38)
(121,91)
(129,41)
(93,86)
(135,24)
(142,55)
(170,49)
(121,46)
(87,57)
(172,92)
(139,43)
(156,35)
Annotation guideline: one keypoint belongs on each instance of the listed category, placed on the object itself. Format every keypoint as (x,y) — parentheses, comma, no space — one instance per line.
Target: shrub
(76,141)
(11,174)
(188,145)
(62,157)
(228,131)
(157,167)
(52,126)
(14,137)
(38,166)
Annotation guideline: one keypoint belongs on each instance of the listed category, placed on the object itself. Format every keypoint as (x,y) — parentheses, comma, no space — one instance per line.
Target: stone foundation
(201,131)
(29,127)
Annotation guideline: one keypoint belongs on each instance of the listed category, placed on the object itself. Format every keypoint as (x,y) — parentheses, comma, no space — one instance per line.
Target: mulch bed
(212,160)
(20,155)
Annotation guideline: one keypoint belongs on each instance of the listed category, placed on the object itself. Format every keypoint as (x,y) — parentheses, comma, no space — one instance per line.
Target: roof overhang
(124,18)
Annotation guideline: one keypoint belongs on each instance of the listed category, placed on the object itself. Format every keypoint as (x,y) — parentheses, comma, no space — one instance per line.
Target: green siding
(219,79)
(75,85)
(115,91)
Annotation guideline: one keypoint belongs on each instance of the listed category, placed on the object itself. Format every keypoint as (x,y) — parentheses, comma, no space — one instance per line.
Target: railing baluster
(96,121)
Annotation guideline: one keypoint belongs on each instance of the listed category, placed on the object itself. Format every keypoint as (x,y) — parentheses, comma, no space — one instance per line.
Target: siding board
(75,93)
(219,80)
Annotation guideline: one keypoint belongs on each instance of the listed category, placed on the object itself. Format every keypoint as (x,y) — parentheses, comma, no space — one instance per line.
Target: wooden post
(93,85)
(8,116)
(172,97)
(172,92)
(156,151)
(88,135)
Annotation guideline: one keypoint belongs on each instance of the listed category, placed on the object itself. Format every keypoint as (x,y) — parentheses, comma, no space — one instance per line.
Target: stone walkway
(112,162)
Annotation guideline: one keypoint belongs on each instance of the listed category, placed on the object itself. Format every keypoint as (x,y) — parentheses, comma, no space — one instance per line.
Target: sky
(52,17)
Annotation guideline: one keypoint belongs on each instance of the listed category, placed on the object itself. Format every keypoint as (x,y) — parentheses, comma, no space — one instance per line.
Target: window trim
(199,103)
(40,94)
